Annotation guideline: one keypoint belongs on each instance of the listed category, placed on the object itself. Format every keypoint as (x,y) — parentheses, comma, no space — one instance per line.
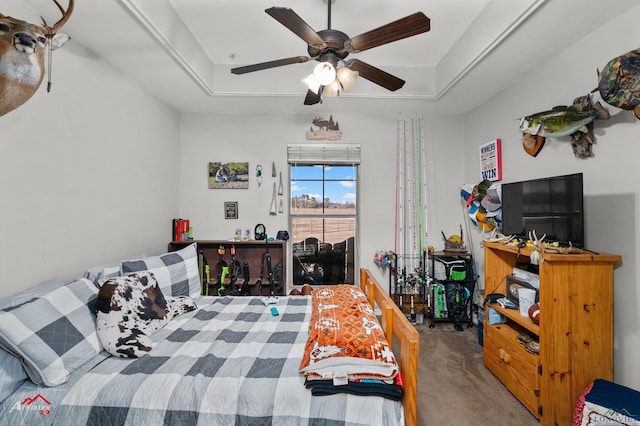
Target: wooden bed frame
(396,325)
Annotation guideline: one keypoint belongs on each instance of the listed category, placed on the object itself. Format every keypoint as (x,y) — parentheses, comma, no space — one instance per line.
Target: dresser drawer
(513,364)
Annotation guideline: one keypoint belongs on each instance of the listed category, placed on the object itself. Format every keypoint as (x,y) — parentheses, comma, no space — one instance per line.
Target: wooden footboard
(395,324)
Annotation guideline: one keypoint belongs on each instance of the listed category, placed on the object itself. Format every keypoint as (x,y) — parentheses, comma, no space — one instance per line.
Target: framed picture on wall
(491,160)
(229,175)
(230,209)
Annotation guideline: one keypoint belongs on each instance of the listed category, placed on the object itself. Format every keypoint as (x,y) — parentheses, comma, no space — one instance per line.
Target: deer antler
(497,237)
(538,243)
(66,14)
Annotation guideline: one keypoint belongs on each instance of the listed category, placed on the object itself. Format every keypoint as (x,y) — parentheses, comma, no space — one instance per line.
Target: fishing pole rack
(409,283)
(408,280)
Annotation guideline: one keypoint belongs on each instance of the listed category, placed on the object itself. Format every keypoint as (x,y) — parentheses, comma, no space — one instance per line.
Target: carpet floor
(454,386)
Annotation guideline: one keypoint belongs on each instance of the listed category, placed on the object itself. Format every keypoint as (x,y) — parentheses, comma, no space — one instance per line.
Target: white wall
(611,176)
(88,175)
(262,139)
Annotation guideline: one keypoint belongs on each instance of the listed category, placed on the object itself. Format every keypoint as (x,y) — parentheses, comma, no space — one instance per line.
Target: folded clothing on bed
(346,342)
(364,387)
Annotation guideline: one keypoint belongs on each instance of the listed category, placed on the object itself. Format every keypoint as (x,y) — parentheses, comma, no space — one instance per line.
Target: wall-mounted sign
(230,209)
(491,160)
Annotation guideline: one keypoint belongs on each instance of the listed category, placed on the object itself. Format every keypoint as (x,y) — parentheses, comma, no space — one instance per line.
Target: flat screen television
(552,206)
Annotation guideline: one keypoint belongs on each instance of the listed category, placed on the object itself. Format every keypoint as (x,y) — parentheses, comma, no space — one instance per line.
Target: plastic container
(526,298)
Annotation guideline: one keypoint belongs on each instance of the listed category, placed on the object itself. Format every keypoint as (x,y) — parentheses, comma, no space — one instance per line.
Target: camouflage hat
(480,190)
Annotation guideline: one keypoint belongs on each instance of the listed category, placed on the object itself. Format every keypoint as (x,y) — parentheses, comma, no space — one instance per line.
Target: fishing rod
(266,260)
(223,270)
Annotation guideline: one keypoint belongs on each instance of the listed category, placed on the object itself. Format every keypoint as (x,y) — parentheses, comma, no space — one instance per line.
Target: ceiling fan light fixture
(330,47)
(312,83)
(346,77)
(333,89)
(325,73)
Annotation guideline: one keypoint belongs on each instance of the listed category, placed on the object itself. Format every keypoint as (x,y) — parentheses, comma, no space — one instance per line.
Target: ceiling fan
(330,47)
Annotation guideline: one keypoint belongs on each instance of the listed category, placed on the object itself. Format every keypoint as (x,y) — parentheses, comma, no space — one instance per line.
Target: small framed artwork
(230,209)
(228,174)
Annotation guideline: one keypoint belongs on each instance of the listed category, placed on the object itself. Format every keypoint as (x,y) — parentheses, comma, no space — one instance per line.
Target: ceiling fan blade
(297,25)
(271,64)
(375,75)
(402,28)
(313,98)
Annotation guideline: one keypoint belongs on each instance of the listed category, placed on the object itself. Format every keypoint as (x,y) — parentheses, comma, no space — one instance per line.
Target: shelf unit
(575,331)
(249,251)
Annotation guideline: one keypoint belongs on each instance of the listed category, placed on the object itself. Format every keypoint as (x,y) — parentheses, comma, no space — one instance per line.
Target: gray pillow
(55,333)
(29,294)
(12,374)
(176,272)
(99,274)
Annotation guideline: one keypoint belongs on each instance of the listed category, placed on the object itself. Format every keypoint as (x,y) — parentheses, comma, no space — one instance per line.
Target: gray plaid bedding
(228,363)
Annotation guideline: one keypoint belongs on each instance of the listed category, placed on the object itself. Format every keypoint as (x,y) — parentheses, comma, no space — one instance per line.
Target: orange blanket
(346,341)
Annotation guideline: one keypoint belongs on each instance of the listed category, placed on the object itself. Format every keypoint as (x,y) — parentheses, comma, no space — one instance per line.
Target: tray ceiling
(181,51)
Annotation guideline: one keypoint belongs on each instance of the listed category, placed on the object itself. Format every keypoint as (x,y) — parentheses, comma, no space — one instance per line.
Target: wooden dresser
(575,331)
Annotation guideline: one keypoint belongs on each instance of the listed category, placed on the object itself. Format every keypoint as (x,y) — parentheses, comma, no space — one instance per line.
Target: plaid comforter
(228,363)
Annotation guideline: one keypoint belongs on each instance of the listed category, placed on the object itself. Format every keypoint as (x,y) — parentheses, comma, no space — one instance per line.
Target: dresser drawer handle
(504,356)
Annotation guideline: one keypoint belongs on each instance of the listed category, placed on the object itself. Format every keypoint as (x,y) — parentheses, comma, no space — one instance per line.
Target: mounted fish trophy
(575,121)
(23,48)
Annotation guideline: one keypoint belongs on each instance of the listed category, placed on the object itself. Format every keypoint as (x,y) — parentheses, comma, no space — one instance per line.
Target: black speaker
(513,284)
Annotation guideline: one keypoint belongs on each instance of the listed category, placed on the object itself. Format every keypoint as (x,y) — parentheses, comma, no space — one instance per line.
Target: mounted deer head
(22,54)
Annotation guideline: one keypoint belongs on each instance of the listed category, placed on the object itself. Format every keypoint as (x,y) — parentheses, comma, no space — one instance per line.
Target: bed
(230,361)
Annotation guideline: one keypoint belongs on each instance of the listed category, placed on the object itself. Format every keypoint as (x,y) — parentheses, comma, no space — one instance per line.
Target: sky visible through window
(339,183)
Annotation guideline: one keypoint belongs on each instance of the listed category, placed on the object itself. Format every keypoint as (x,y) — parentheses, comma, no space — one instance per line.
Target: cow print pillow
(130,309)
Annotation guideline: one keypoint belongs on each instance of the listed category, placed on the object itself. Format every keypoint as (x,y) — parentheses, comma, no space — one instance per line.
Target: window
(323,220)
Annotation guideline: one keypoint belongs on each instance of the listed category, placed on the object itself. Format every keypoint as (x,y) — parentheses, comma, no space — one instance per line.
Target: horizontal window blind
(322,153)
